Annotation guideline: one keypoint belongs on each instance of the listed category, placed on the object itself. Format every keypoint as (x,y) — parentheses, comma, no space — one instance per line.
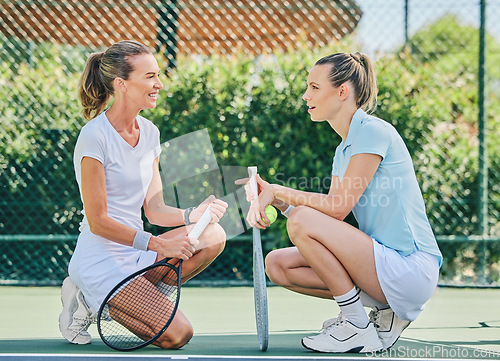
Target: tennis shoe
(330,322)
(341,336)
(388,325)
(76,315)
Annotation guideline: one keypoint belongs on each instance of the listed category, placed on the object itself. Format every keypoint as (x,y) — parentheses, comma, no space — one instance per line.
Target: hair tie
(99,57)
(358,58)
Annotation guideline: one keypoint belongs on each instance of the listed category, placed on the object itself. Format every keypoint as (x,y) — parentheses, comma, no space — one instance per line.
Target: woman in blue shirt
(391,263)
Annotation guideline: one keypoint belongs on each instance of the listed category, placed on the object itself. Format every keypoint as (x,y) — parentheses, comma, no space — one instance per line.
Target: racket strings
(141,308)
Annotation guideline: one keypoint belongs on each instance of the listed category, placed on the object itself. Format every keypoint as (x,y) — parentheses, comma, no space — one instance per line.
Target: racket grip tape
(252,173)
(200,226)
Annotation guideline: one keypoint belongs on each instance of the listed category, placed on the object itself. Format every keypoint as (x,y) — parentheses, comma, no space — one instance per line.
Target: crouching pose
(116,162)
(391,263)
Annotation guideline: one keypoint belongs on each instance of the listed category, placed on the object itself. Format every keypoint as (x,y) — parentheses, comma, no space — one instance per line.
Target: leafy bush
(253,111)
(39,126)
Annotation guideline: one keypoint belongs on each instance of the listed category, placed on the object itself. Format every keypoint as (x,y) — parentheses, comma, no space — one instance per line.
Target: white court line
(75,357)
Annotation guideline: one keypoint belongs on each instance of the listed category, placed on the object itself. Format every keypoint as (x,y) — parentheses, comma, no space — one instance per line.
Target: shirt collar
(354,126)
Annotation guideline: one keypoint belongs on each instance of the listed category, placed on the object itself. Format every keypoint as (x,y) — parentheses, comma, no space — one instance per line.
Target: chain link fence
(439,84)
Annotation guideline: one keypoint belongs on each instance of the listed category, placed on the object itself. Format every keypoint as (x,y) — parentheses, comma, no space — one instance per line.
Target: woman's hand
(217,210)
(261,184)
(256,214)
(178,246)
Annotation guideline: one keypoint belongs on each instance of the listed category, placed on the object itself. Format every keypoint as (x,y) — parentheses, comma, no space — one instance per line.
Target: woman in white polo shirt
(116,161)
(391,263)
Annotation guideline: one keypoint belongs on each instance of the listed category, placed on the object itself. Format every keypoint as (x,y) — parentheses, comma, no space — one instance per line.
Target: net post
(483,154)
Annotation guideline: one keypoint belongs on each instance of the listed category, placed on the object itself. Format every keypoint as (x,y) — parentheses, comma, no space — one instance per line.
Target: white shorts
(98,264)
(407,281)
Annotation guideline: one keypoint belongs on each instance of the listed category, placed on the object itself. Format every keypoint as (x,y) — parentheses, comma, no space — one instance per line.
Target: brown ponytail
(101,69)
(358,69)
(93,92)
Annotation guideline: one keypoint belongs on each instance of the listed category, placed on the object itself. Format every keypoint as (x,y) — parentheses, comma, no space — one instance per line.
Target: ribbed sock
(352,308)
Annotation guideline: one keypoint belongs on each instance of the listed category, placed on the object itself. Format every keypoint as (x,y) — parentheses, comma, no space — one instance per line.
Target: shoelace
(374,317)
(84,323)
(91,315)
(332,322)
(87,321)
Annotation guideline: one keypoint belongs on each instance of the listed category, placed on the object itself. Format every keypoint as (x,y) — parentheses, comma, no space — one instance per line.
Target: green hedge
(254,113)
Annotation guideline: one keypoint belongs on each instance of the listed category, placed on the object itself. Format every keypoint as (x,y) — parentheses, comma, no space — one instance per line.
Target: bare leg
(330,257)
(149,322)
(286,267)
(212,243)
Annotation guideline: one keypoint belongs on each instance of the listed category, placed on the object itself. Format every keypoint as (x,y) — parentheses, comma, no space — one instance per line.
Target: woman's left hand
(217,210)
(257,213)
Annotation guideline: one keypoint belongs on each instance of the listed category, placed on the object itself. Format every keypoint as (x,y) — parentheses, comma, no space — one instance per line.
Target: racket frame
(162,263)
(195,232)
(259,277)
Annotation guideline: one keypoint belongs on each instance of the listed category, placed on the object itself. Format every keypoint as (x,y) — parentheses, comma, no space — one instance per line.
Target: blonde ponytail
(94,94)
(367,85)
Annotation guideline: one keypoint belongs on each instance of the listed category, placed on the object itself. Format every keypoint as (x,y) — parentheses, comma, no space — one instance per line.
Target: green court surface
(457,323)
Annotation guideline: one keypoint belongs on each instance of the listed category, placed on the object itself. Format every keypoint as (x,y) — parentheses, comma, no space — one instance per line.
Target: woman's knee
(174,340)
(274,267)
(297,221)
(214,241)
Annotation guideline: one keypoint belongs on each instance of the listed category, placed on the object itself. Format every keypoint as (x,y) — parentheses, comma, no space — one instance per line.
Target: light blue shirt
(392,209)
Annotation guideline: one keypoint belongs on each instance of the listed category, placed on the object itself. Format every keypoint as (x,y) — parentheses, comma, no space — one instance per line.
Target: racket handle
(252,173)
(202,223)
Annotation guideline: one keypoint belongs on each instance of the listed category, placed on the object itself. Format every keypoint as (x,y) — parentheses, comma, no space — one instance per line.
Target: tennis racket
(259,276)
(138,310)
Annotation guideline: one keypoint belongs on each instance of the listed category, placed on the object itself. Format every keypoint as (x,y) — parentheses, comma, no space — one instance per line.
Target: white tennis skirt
(407,281)
(98,264)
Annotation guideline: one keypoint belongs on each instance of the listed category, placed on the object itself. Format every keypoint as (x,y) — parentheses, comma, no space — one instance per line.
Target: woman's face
(144,82)
(321,96)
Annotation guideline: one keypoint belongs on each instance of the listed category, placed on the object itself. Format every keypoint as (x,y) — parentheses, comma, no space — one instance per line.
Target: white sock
(368,301)
(352,308)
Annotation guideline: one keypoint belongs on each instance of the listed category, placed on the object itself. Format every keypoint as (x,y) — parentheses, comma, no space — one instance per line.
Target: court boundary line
(52,356)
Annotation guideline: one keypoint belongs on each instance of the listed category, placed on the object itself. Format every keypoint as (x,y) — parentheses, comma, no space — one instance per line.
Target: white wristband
(287,211)
(141,240)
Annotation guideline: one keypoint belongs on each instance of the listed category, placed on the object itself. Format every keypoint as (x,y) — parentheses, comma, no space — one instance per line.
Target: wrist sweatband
(187,212)
(141,240)
(287,211)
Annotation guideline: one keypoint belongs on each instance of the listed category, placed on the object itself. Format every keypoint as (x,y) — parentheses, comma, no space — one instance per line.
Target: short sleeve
(157,148)
(336,161)
(91,144)
(335,168)
(374,137)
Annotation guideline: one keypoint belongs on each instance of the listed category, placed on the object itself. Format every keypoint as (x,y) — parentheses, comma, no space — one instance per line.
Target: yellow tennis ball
(271,213)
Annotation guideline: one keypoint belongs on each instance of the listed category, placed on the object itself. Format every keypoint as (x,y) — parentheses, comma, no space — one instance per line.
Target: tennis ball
(271,213)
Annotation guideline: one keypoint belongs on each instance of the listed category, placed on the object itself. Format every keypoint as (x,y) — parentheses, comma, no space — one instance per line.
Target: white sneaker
(76,315)
(342,336)
(330,322)
(388,325)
